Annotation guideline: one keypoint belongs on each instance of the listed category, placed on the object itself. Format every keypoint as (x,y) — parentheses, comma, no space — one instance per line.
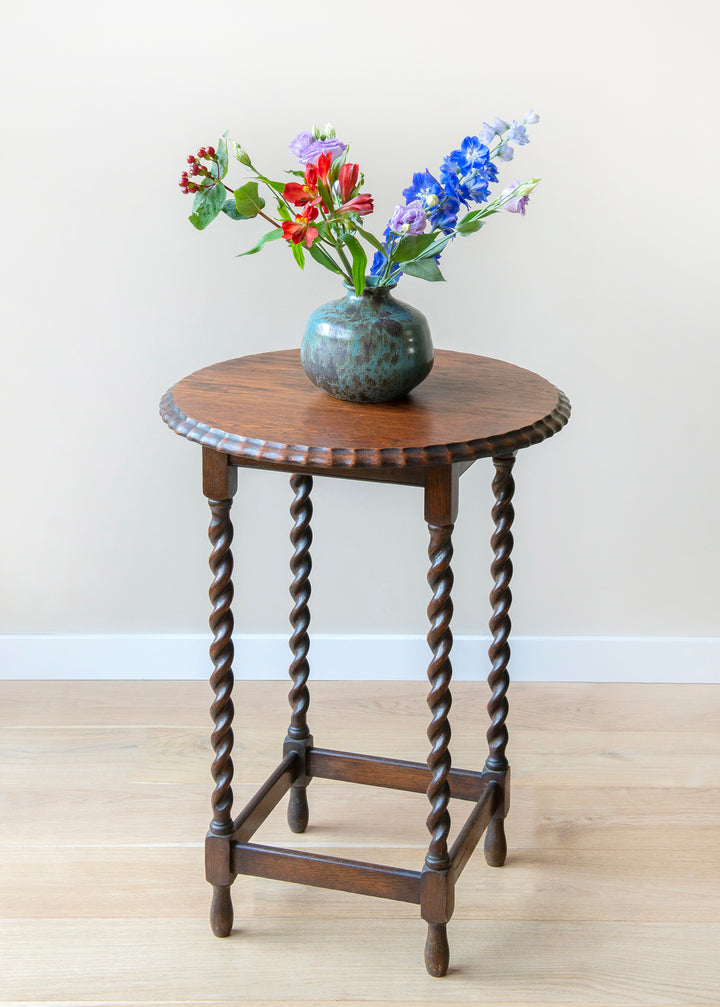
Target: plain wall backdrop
(607,287)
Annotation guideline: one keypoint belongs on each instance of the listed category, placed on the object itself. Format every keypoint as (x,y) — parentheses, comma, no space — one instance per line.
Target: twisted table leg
(440,579)
(298,737)
(499,652)
(221,680)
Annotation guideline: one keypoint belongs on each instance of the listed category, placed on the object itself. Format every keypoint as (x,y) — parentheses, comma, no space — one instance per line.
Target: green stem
(388,263)
(344,261)
(346,275)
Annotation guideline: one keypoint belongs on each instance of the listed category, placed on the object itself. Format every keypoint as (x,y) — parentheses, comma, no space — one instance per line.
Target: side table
(261,411)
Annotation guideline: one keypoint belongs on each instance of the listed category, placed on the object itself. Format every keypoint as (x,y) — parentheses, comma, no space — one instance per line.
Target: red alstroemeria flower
(323,167)
(302,195)
(299,229)
(362,204)
(347,180)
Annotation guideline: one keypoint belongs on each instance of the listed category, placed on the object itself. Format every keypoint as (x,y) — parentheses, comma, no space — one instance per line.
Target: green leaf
(371,239)
(320,255)
(470,228)
(275,186)
(270,236)
(298,254)
(231,210)
(424,269)
(283,211)
(337,164)
(359,262)
(326,194)
(222,154)
(208,203)
(411,246)
(470,222)
(436,248)
(247,200)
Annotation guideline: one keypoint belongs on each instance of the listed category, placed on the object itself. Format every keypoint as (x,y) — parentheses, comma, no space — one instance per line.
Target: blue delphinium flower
(426,188)
(465,177)
(467,172)
(441,207)
(487,134)
(444,216)
(517,134)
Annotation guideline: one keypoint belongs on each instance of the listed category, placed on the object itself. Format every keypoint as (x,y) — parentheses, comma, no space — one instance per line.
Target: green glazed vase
(370,348)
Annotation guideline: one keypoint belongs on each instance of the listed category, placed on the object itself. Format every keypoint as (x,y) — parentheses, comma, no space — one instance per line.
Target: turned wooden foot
(437,950)
(221,911)
(495,843)
(298,813)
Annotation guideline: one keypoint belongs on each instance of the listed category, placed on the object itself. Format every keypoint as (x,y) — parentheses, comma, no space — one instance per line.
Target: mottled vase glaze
(370,348)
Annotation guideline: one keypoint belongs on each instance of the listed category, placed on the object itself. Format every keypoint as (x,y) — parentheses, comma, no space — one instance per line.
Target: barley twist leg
(298,736)
(440,579)
(499,652)
(221,680)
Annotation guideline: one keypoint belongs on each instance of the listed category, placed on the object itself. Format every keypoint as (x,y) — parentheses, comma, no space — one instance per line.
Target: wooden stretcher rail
(267,798)
(469,836)
(326,872)
(396,774)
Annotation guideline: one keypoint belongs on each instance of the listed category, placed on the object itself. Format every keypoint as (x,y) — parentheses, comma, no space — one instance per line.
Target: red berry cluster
(199,171)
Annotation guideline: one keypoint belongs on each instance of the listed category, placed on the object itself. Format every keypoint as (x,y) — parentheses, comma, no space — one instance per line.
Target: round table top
(263,407)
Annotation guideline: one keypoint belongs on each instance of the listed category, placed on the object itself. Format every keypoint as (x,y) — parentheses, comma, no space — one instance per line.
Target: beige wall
(607,287)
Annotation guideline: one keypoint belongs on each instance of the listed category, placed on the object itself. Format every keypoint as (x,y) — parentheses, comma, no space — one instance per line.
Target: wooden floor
(610,895)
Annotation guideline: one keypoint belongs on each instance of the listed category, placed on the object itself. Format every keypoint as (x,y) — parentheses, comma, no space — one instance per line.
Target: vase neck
(370,291)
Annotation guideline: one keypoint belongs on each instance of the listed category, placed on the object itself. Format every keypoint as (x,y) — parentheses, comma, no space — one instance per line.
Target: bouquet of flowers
(321,210)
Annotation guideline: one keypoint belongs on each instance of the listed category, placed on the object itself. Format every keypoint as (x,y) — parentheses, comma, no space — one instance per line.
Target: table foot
(298,813)
(495,843)
(221,911)
(437,950)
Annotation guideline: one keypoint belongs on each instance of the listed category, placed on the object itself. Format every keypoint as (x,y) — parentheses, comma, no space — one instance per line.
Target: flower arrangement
(321,210)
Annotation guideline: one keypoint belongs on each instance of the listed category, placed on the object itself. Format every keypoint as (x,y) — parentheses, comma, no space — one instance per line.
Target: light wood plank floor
(610,896)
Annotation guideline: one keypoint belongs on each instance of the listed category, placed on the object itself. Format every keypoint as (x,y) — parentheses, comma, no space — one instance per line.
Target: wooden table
(262,412)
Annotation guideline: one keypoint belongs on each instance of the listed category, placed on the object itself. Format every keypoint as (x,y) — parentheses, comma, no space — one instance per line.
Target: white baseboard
(352,658)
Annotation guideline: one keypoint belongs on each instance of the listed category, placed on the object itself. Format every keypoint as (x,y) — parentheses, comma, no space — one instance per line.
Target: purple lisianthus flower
(307,149)
(518,204)
(410,219)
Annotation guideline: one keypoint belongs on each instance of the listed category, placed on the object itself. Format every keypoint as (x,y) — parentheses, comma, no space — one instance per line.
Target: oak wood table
(262,412)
